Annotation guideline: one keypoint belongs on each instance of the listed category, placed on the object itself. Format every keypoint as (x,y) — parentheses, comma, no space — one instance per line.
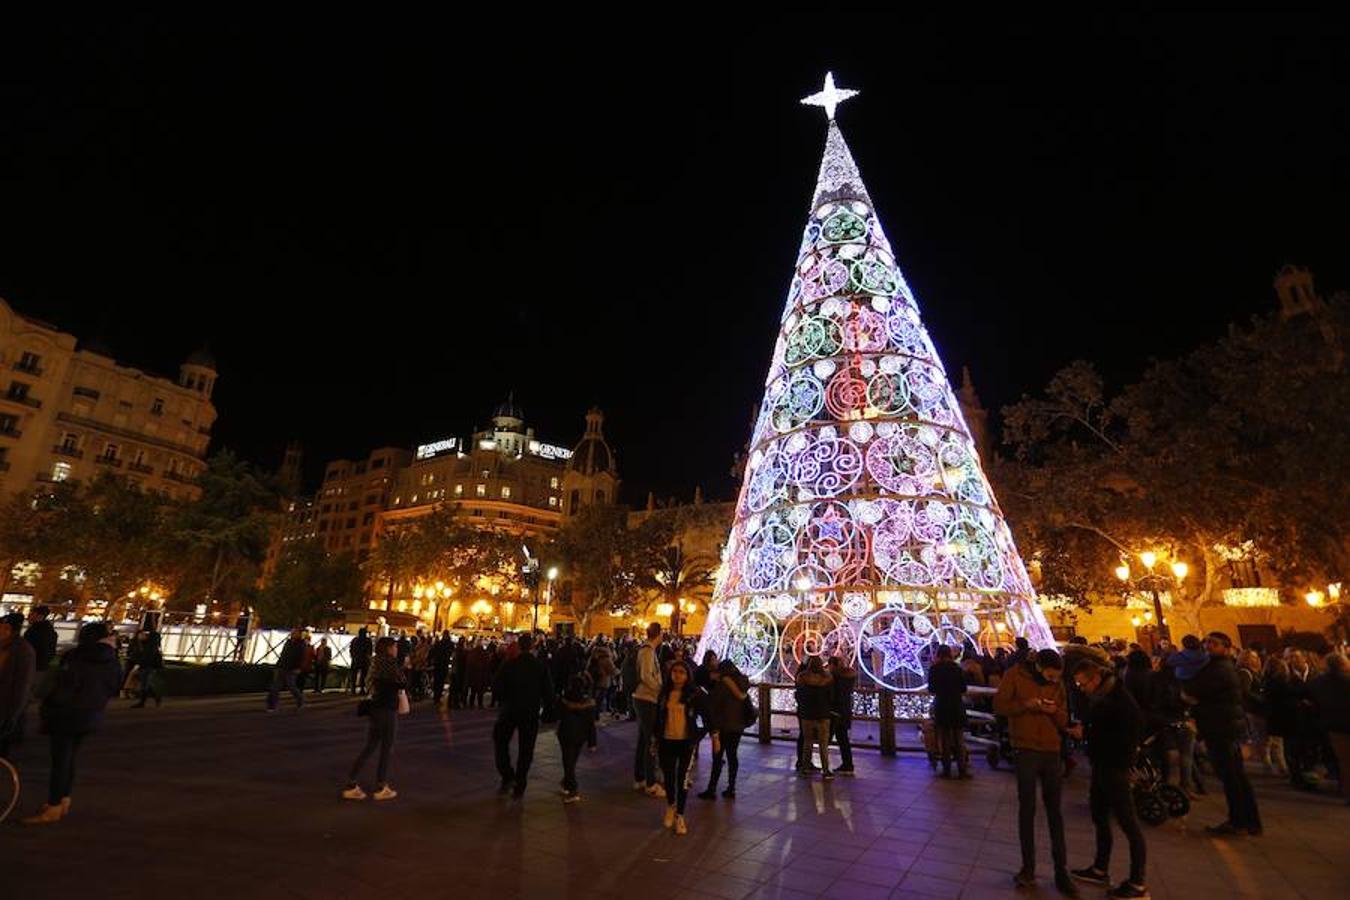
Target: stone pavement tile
(819,865)
(928,886)
(885,876)
(952,871)
(845,889)
(835,850)
(778,892)
(963,852)
(803,880)
(899,859)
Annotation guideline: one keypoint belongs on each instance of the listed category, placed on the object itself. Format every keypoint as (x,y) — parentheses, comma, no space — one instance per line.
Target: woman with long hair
(386,682)
(678,708)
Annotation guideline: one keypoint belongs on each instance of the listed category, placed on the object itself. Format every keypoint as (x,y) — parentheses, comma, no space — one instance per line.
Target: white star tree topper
(829,97)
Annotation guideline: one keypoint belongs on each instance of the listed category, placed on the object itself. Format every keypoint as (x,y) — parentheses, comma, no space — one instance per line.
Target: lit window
(552,501)
(553,482)
(459,490)
(414,499)
(506,492)
(60,471)
(482,490)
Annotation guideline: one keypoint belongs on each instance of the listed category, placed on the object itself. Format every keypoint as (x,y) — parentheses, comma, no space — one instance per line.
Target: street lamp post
(1151,582)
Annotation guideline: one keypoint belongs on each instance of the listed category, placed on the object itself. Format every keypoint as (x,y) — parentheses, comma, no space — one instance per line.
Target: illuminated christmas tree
(865,525)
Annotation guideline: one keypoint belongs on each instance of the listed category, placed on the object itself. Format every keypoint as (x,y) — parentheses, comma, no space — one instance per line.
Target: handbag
(404,707)
(363,707)
(748,710)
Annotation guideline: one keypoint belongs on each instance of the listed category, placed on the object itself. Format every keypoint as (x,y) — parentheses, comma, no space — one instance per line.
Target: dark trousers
(1042,766)
(644,762)
(475,697)
(675,756)
(951,741)
(383,727)
(286,679)
(571,751)
(1108,797)
(320,679)
(438,677)
(148,685)
(728,755)
(528,730)
(1226,757)
(62,778)
(839,734)
(356,678)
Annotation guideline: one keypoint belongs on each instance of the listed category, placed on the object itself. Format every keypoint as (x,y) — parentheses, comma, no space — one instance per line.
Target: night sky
(382,227)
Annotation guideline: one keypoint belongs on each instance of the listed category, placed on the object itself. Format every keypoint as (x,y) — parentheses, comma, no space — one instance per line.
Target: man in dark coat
(17,671)
(522,689)
(441,653)
(289,663)
(1114,728)
(947,684)
(361,649)
(1221,720)
(41,635)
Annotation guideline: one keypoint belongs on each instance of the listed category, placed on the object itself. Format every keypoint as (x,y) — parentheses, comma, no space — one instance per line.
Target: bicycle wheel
(1175,799)
(9,788)
(1150,806)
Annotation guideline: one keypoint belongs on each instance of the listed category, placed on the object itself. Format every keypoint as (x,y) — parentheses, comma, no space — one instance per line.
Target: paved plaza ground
(212,798)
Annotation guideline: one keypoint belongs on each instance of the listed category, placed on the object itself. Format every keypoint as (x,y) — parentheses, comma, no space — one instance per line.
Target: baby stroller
(1154,799)
(991,733)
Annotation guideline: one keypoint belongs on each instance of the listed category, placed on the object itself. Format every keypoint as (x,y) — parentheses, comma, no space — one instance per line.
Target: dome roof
(508,409)
(203,358)
(592,456)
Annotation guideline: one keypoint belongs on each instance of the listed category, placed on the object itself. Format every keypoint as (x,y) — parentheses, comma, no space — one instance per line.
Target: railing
(23,399)
(108,461)
(141,468)
(11,432)
(27,368)
(73,452)
(201,644)
(176,476)
(884,720)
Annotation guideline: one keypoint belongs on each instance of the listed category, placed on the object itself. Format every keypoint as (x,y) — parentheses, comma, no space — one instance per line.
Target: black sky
(381,227)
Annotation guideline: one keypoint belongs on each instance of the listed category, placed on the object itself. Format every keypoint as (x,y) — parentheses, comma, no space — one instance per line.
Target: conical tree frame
(865,526)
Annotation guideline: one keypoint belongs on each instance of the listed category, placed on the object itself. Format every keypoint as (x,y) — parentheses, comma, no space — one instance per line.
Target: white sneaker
(680,827)
(354,793)
(639,785)
(571,798)
(668,820)
(656,791)
(385,793)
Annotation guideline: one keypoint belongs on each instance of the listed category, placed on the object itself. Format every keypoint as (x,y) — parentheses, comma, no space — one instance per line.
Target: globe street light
(1150,582)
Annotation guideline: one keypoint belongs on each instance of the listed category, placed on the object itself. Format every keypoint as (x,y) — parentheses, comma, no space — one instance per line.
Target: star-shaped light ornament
(829,97)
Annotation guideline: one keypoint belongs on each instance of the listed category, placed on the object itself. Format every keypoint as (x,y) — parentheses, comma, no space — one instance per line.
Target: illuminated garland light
(1249,597)
(865,526)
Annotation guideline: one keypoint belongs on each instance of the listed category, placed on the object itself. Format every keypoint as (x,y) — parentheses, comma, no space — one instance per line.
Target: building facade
(506,477)
(354,493)
(69,412)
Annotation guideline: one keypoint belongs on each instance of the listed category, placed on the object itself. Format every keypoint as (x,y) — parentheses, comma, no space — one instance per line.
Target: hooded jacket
(1031,728)
(86,679)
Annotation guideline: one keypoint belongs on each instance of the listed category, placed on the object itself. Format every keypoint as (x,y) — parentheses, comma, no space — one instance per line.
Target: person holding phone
(1031,696)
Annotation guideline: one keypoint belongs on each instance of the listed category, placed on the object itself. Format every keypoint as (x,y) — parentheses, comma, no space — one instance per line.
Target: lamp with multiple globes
(1150,581)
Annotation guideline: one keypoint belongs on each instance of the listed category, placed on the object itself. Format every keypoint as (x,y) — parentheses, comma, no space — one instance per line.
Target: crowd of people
(1204,705)
(1288,711)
